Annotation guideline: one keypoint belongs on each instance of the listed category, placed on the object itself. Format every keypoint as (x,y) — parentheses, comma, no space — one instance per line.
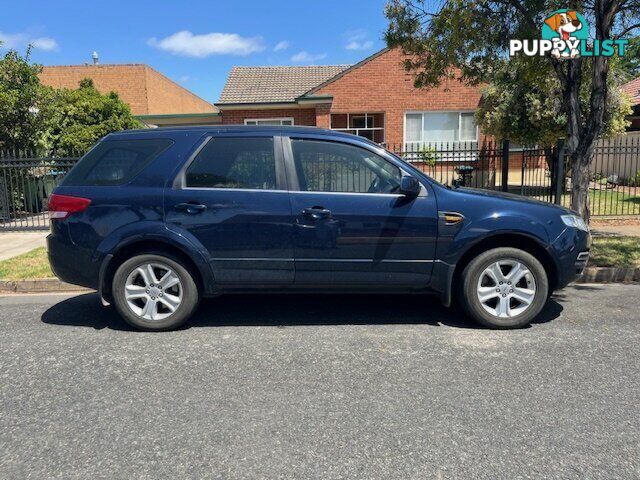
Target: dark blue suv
(156,219)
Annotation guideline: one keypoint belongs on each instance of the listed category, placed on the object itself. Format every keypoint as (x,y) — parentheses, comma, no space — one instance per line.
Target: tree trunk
(580,178)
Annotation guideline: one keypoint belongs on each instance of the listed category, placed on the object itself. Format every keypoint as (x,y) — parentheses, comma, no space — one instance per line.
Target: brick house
(154,99)
(632,89)
(374,98)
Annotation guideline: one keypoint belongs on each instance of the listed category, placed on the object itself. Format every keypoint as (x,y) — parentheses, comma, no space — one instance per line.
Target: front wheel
(154,292)
(504,288)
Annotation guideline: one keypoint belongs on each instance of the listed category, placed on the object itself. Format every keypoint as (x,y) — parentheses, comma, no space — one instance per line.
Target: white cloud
(201,46)
(184,78)
(306,57)
(44,43)
(21,40)
(355,45)
(357,40)
(283,45)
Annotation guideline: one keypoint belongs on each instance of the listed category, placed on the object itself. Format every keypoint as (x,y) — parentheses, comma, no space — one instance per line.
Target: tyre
(154,292)
(504,288)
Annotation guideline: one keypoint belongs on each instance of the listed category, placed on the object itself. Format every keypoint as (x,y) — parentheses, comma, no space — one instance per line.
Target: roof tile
(274,84)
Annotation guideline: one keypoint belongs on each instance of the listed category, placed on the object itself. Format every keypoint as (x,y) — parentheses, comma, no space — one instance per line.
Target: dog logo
(565,35)
(568,26)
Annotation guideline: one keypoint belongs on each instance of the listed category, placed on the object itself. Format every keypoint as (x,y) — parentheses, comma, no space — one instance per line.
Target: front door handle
(192,208)
(317,213)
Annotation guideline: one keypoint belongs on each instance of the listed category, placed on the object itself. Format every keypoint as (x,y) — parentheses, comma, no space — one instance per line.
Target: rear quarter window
(115,162)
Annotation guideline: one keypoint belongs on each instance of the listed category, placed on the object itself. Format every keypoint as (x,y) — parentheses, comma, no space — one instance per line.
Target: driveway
(321,387)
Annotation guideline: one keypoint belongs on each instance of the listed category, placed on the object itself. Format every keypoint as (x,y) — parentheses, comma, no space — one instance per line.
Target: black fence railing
(614,188)
(28,178)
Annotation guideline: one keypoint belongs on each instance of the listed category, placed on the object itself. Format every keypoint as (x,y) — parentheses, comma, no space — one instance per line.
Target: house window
(436,127)
(368,125)
(269,121)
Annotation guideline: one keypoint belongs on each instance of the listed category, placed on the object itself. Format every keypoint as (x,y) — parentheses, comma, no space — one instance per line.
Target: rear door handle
(192,208)
(317,213)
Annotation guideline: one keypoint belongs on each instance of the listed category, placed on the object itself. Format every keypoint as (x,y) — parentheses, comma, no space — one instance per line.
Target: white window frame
(422,112)
(280,119)
(357,130)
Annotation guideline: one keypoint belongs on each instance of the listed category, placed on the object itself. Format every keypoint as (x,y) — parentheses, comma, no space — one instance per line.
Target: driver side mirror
(409,186)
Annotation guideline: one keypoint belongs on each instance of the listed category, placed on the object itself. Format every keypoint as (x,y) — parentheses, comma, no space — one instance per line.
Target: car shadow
(288,310)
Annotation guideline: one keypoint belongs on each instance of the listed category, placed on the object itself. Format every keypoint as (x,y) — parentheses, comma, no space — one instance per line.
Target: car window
(337,167)
(115,162)
(240,162)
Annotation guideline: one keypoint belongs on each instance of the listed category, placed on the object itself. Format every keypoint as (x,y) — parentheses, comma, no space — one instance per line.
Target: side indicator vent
(451,218)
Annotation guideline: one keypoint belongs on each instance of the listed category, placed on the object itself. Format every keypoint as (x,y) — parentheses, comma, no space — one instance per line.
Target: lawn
(605,252)
(608,202)
(615,252)
(33,264)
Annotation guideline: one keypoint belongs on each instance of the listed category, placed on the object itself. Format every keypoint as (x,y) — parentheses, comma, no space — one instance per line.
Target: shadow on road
(287,310)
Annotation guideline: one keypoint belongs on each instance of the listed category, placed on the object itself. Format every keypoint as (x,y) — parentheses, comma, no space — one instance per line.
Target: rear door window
(115,162)
(234,162)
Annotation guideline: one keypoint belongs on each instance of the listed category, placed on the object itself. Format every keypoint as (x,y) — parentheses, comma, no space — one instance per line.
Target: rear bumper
(71,263)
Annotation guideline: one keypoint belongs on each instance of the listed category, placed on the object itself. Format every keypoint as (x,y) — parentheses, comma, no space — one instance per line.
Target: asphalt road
(321,387)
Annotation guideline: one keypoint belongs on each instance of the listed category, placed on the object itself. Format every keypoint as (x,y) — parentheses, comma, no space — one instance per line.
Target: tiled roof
(274,84)
(632,89)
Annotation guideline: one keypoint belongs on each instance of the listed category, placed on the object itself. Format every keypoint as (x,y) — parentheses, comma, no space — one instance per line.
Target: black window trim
(180,181)
(292,173)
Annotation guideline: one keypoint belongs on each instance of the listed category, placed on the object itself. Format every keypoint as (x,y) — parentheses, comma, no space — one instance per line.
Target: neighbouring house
(632,89)
(154,99)
(374,98)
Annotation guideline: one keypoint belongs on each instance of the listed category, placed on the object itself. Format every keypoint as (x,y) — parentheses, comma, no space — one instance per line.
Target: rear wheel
(154,292)
(504,288)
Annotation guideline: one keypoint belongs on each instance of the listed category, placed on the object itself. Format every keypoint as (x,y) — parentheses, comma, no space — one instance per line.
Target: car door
(351,225)
(231,198)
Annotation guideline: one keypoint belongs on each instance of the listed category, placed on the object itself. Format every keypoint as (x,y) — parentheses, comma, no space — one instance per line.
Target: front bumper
(572,248)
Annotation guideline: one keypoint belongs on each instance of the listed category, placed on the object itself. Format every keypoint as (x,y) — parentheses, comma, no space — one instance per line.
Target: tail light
(61,206)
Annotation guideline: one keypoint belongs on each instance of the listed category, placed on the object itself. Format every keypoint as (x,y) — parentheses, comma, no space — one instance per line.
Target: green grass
(615,252)
(607,202)
(30,265)
(605,252)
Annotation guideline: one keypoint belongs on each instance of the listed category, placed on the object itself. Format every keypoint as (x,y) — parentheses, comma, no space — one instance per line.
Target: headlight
(575,221)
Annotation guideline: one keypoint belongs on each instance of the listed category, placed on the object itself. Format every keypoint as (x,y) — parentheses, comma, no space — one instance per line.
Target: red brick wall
(164,96)
(144,89)
(301,116)
(382,85)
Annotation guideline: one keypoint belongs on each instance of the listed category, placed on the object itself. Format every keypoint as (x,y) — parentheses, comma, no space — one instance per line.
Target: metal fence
(540,172)
(27,178)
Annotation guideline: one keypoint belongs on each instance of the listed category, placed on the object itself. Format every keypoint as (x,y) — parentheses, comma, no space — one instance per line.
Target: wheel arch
(149,246)
(513,240)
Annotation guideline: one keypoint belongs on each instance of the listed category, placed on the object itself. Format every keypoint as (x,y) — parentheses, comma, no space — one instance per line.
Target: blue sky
(195,43)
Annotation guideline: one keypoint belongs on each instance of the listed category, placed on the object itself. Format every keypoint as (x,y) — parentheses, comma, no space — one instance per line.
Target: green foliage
(630,63)
(428,154)
(22,103)
(80,117)
(528,109)
(33,116)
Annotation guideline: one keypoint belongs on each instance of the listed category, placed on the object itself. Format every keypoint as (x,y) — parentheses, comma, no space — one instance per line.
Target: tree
(527,109)
(23,103)
(469,39)
(630,63)
(79,118)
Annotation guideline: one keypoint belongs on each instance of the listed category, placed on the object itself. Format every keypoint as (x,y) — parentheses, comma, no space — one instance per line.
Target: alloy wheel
(506,288)
(153,291)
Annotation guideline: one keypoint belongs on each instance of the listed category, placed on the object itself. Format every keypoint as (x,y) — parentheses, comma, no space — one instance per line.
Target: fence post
(505,165)
(559,173)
